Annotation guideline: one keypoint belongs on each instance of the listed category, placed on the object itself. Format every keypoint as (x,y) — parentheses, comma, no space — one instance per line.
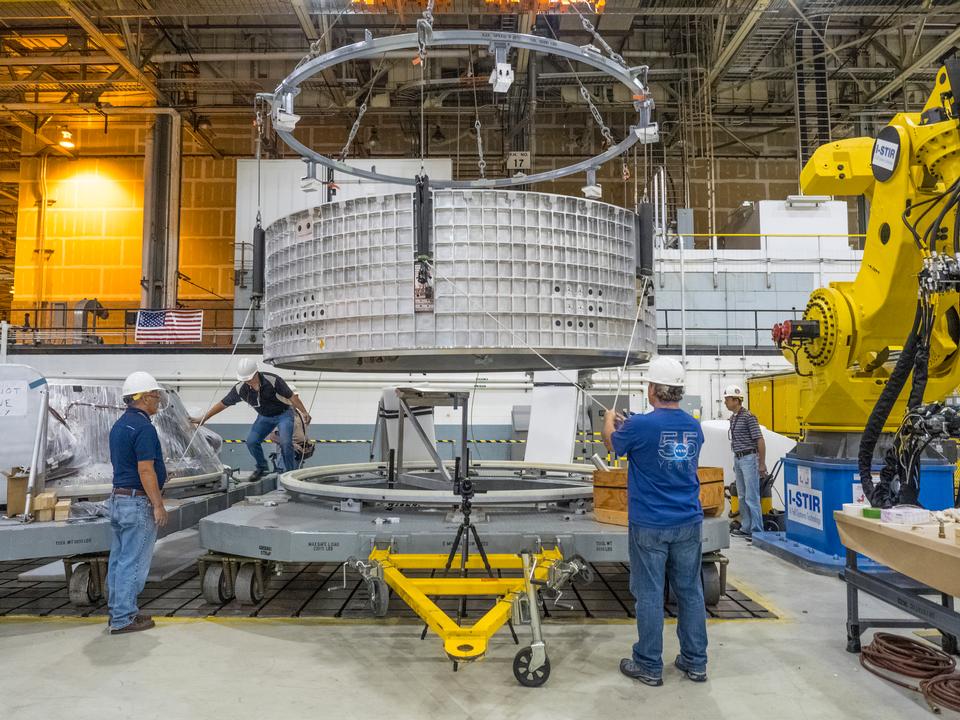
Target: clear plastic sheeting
(513,272)
(78,435)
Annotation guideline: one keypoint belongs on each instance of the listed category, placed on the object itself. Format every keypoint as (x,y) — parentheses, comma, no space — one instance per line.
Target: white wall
(781,221)
(351,398)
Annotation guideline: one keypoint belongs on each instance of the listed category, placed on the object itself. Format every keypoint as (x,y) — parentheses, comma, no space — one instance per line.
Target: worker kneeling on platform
(136,504)
(274,402)
(665,519)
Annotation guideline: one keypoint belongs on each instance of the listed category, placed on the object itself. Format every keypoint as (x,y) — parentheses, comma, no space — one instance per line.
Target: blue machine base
(803,556)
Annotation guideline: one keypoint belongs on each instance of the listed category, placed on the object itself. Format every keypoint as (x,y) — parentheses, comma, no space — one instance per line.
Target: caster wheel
(81,590)
(587,575)
(248,589)
(522,672)
(215,585)
(379,596)
(710,574)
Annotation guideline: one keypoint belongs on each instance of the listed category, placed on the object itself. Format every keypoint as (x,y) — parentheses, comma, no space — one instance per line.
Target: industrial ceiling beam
(739,37)
(920,63)
(33,60)
(130,67)
(827,46)
(303,17)
(918,36)
(306,23)
(112,50)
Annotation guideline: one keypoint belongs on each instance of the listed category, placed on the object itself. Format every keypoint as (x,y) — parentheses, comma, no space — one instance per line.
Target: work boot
(629,668)
(256,475)
(691,674)
(139,623)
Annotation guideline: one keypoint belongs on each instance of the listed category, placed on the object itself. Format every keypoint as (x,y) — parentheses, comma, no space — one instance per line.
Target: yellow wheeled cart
(516,597)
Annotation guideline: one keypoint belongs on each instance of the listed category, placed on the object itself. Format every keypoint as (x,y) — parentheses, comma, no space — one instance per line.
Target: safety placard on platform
(805,506)
(13,399)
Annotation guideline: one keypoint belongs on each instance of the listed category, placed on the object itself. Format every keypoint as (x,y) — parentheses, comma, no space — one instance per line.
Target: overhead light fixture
(374,139)
(66,139)
(204,124)
(438,135)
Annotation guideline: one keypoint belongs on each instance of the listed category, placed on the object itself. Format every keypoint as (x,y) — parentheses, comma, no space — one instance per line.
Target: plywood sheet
(915,551)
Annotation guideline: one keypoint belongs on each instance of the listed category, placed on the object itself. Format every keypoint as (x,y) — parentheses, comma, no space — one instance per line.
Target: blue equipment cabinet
(815,488)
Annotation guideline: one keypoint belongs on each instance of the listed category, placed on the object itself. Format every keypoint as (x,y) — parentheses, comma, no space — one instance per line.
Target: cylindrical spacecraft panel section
(514,275)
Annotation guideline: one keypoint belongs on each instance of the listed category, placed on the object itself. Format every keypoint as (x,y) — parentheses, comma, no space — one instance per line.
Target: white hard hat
(734,391)
(246,369)
(665,371)
(138,383)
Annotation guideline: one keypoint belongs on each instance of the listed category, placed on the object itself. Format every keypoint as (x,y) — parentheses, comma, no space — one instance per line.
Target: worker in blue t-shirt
(136,503)
(665,518)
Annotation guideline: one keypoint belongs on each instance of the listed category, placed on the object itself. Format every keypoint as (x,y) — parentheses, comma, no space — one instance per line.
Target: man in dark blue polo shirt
(136,504)
(665,519)
(272,398)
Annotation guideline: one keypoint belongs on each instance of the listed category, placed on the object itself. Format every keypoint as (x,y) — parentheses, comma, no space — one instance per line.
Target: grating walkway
(317,590)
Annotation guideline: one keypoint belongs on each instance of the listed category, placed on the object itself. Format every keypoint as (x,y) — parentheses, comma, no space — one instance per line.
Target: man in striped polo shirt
(749,453)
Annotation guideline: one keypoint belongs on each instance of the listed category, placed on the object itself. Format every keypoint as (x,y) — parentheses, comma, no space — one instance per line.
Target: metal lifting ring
(285,119)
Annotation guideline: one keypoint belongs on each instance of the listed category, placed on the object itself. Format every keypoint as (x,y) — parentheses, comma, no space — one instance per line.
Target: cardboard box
(610,494)
(45,501)
(61,511)
(16,494)
(43,515)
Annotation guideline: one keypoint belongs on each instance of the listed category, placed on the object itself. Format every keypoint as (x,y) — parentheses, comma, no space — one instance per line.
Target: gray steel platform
(171,555)
(276,529)
(316,590)
(20,541)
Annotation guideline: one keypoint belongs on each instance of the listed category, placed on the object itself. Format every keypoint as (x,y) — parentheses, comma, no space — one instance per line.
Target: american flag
(169,326)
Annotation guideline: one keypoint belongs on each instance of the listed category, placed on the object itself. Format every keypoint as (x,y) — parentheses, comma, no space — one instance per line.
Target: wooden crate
(45,501)
(711,491)
(61,511)
(610,494)
(16,494)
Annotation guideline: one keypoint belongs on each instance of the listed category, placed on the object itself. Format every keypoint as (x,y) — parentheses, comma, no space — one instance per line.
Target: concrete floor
(795,667)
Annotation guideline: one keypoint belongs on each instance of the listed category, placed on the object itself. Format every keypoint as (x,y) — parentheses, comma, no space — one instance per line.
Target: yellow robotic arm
(852,331)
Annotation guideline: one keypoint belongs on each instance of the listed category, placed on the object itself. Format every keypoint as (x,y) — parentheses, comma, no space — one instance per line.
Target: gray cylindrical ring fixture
(643,131)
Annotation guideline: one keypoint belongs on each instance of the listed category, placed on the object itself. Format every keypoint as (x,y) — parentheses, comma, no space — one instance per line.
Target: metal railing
(716,327)
(724,241)
(711,328)
(116,326)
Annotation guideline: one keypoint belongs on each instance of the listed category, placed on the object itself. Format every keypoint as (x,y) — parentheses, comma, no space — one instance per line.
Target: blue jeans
(747,471)
(134,534)
(262,427)
(673,553)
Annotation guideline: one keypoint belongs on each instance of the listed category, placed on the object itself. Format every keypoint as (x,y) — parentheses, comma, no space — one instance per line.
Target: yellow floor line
(102,620)
(759,598)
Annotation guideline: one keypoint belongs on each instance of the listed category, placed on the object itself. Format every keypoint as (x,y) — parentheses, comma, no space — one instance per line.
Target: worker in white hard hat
(274,401)
(136,503)
(749,461)
(665,521)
